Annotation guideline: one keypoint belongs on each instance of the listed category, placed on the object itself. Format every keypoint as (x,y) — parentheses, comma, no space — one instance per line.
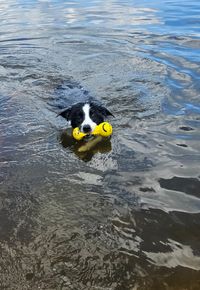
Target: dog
(85,115)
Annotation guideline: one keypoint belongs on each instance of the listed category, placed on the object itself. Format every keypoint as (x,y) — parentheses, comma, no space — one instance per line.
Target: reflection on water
(129,217)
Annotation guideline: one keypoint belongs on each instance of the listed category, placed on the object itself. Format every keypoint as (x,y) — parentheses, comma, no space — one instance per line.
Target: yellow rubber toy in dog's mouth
(104,129)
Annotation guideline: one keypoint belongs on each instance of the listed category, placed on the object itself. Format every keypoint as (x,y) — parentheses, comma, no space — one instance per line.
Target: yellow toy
(104,129)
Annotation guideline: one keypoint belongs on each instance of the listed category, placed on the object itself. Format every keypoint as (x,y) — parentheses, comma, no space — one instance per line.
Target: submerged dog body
(85,116)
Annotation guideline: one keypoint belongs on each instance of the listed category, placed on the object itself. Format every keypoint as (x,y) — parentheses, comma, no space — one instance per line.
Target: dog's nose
(87,129)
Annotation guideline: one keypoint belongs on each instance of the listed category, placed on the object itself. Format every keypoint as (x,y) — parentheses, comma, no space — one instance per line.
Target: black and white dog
(85,115)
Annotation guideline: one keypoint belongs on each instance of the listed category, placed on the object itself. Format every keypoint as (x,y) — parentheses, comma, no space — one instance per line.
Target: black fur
(75,114)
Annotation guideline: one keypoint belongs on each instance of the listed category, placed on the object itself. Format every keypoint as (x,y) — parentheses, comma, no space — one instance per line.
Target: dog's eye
(92,114)
(80,115)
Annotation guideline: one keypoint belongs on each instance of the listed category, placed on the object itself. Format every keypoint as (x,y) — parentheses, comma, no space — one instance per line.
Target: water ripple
(126,215)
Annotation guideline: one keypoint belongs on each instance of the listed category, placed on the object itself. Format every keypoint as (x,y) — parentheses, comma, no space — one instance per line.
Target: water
(123,217)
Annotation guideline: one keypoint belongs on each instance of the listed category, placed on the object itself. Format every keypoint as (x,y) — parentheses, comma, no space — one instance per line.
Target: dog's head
(85,116)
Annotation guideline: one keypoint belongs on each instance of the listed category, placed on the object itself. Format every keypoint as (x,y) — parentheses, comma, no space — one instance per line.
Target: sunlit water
(122,217)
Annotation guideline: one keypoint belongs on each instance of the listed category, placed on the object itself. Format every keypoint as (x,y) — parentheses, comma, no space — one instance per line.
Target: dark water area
(126,216)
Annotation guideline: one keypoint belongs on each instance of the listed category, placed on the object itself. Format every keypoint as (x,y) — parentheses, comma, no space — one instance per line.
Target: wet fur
(85,115)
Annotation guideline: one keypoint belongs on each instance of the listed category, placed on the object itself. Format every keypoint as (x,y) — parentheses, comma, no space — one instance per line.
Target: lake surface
(123,217)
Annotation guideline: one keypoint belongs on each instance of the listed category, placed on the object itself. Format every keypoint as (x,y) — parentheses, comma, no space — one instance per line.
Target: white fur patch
(87,119)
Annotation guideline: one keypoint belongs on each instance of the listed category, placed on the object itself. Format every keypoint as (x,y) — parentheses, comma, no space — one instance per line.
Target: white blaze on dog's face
(85,116)
(88,125)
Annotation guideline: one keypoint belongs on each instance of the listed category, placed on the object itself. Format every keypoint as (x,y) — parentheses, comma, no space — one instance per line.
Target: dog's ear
(105,112)
(66,113)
